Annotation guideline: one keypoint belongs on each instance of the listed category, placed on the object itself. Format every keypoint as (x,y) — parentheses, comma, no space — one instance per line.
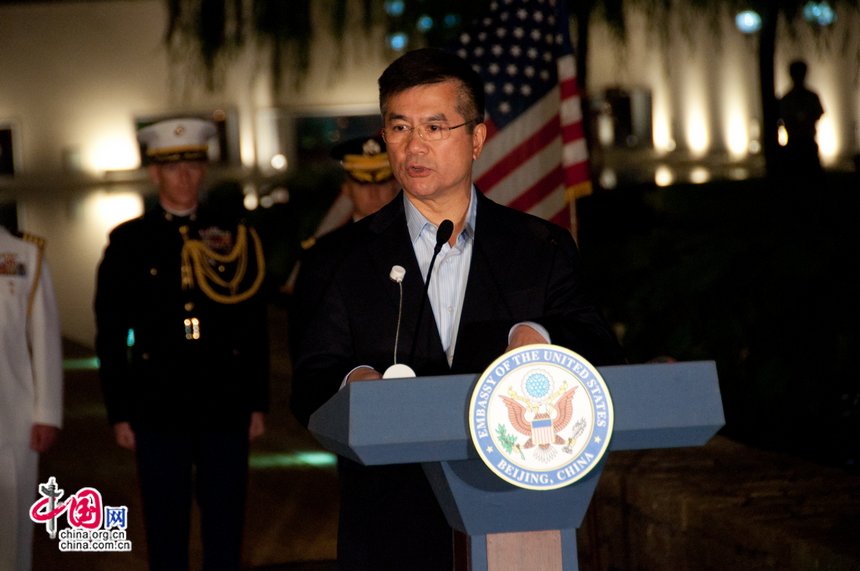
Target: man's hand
(257,427)
(42,437)
(524,335)
(124,435)
(363,374)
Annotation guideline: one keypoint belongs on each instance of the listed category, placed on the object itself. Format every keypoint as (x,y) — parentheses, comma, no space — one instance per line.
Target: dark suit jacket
(523,269)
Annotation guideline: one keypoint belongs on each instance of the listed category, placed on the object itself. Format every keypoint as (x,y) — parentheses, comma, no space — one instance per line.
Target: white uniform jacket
(31,361)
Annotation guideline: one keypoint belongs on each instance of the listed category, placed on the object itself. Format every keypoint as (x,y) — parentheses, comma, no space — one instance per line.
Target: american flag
(535,158)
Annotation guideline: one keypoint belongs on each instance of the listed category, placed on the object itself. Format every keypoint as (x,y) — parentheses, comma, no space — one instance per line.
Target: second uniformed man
(183,349)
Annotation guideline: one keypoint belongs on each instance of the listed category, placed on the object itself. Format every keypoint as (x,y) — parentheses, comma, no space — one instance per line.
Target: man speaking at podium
(499,279)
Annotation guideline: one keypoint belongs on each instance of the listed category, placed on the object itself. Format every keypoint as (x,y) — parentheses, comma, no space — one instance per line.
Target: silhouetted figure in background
(368,185)
(799,111)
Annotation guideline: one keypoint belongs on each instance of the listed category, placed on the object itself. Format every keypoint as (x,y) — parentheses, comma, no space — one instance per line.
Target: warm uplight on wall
(107,209)
(662,125)
(247,148)
(700,175)
(733,111)
(608,179)
(737,136)
(755,136)
(279,162)
(828,140)
(663,176)
(698,137)
(782,136)
(663,140)
(251,200)
(113,153)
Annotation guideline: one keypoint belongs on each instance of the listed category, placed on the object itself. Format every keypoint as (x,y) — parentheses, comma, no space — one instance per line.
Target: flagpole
(574,221)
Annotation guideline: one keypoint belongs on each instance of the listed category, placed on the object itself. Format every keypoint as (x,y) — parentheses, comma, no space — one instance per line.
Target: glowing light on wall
(748,21)
(394,7)
(782,136)
(819,13)
(251,201)
(663,176)
(828,139)
(739,173)
(424,23)
(734,109)
(107,209)
(279,162)
(755,136)
(737,136)
(605,130)
(662,125)
(112,153)
(700,175)
(608,179)
(247,148)
(698,136)
(696,132)
(398,41)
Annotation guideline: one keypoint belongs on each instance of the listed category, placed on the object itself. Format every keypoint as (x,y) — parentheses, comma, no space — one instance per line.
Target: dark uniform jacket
(522,269)
(171,357)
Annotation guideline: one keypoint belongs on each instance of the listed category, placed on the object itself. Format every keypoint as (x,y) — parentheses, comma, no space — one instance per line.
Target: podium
(658,405)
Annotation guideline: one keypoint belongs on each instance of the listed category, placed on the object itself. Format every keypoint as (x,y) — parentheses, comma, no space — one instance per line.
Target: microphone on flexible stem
(443,234)
(398,370)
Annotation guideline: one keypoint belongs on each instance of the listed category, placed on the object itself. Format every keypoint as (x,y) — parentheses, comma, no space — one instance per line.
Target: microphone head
(396,274)
(443,234)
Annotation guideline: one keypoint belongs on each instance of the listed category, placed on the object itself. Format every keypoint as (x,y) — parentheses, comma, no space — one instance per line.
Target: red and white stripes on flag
(535,158)
(543,432)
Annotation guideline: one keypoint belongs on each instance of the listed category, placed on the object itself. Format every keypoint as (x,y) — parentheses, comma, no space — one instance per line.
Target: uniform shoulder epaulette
(32,238)
(39,242)
(309,243)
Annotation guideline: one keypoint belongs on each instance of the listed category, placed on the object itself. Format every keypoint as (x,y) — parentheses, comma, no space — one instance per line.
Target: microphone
(443,234)
(398,370)
(446,228)
(396,274)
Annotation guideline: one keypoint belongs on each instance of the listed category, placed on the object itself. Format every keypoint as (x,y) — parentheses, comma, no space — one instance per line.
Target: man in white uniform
(31,387)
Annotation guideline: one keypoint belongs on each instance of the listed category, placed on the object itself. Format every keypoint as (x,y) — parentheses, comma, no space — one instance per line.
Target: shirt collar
(416,222)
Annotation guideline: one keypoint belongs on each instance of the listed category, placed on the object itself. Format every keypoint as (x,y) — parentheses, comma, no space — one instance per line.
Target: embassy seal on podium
(541,417)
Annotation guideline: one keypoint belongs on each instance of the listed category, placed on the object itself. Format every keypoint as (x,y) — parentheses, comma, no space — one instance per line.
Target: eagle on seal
(543,427)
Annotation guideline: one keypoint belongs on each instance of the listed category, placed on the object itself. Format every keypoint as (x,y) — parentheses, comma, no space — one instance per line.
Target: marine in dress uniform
(31,387)
(183,349)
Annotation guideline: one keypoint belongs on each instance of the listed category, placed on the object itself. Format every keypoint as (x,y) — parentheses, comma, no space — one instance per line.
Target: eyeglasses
(400,133)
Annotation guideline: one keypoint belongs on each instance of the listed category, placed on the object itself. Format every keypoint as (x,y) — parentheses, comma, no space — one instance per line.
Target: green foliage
(508,441)
(212,31)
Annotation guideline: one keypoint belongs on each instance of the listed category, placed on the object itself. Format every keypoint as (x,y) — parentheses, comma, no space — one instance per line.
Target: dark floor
(292,505)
